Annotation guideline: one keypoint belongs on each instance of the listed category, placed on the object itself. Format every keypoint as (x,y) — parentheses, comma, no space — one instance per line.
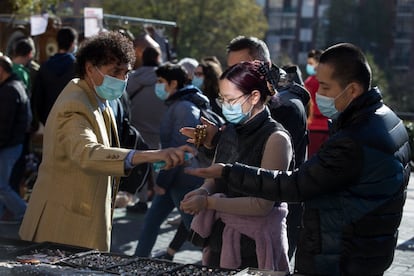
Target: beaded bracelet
(205,189)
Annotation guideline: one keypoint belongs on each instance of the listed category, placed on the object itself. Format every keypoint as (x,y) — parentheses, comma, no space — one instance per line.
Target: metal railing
(406,116)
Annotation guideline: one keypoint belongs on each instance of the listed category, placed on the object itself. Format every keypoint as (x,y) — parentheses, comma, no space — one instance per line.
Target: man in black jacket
(55,73)
(354,187)
(14,121)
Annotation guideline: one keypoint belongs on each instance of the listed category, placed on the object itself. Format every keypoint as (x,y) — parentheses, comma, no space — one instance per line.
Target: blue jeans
(9,199)
(161,207)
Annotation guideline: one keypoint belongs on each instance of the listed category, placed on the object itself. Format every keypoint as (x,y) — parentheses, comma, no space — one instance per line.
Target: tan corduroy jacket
(71,199)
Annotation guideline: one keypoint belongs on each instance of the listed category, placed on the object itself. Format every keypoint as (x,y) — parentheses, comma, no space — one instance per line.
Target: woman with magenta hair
(243,231)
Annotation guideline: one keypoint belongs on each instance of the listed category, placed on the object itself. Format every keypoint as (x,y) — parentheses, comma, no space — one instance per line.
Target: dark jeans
(161,207)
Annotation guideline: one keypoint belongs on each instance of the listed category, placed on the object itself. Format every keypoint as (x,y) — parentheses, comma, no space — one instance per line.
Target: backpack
(205,156)
(205,110)
(212,116)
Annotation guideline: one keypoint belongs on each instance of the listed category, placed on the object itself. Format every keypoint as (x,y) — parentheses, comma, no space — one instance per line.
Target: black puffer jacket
(288,107)
(15,113)
(353,191)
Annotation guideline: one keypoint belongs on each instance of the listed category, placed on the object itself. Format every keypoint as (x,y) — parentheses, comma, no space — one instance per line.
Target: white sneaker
(174,220)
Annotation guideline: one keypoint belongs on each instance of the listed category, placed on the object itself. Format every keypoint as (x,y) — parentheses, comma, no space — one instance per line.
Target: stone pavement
(126,230)
(403,264)
(127,227)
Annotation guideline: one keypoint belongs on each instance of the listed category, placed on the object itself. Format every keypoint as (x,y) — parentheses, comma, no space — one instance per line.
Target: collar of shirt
(102,104)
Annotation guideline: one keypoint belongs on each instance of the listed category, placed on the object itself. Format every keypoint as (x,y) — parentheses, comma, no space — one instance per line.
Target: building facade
(297,26)
(403,48)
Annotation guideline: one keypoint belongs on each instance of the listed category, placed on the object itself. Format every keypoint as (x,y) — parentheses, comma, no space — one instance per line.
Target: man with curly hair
(73,197)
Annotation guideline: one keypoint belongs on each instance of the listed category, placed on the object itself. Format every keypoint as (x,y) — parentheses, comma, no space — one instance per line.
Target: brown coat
(71,199)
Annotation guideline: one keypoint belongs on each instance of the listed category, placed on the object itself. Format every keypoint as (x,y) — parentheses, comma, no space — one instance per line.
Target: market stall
(26,258)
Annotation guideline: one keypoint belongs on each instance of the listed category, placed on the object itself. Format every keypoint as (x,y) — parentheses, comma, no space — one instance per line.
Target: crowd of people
(294,170)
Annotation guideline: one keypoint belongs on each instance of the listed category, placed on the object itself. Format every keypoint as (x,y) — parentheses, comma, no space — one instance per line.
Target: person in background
(206,77)
(140,44)
(189,64)
(181,235)
(73,198)
(199,80)
(171,185)
(244,231)
(317,122)
(289,109)
(55,73)
(22,55)
(354,187)
(146,111)
(14,121)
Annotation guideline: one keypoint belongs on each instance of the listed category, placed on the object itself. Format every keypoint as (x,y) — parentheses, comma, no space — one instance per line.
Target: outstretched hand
(214,171)
(210,128)
(171,156)
(175,156)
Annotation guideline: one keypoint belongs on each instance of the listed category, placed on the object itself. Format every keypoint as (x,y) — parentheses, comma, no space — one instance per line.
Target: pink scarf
(269,233)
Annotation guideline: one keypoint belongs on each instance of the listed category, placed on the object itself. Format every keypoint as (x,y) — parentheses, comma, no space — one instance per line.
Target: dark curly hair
(105,48)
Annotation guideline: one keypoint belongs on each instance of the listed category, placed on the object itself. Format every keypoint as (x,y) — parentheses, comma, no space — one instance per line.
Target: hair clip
(271,74)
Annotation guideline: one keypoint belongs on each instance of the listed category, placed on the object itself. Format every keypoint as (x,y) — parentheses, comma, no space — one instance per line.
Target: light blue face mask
(197,81)
(160,91)
(111,88)
(234,113)
(327,106)
(310,70)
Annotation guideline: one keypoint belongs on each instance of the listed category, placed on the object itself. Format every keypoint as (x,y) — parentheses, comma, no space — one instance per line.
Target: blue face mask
(197,81)
(160,91)
(326,105)
(111,88)
(310,70)
(234,113)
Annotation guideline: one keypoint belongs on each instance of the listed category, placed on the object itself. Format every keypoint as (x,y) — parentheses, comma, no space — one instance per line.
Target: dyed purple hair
(246,77)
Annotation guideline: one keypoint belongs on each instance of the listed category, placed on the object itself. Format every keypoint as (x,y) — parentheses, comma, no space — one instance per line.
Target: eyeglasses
(221,101)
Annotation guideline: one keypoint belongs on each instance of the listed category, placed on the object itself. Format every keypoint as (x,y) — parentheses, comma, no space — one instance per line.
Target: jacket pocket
(58,224)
